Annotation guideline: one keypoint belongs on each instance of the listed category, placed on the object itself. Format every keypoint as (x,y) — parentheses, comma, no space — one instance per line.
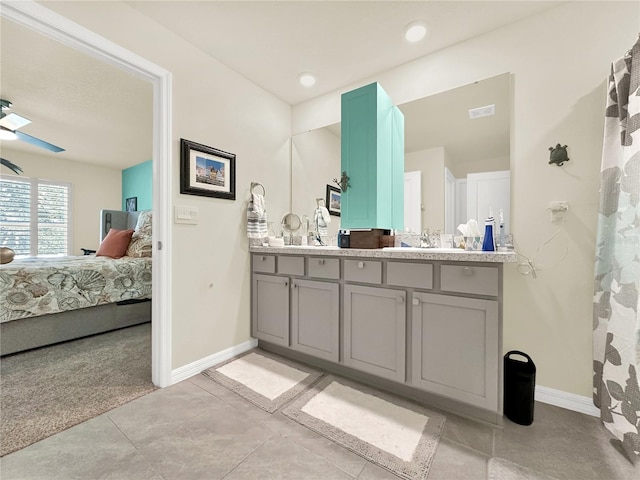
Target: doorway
(38,18)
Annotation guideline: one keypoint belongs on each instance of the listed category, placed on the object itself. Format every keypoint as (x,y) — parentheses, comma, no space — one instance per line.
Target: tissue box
(473,243)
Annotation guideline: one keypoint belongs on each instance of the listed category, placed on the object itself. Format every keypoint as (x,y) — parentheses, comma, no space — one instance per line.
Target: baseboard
(198,366)
(570,401)
(551,396)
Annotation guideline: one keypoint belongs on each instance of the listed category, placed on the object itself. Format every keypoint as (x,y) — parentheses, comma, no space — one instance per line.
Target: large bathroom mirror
(457,158)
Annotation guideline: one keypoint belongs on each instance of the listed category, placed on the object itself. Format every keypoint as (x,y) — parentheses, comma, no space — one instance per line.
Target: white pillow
(141,242)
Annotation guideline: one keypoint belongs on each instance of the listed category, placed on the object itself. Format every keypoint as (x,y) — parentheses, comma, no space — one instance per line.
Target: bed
(50,300)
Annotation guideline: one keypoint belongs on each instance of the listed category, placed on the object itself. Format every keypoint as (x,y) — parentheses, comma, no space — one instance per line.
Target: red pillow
(115,243)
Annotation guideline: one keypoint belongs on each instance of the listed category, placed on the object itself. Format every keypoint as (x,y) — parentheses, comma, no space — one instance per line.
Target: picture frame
(207,171)
(131,204)
(333,199)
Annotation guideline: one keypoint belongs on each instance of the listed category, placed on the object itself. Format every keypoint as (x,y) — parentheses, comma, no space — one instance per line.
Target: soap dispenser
(488,244)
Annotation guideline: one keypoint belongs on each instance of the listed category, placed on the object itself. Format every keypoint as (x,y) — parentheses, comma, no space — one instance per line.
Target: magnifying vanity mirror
(290,224)
(457,158)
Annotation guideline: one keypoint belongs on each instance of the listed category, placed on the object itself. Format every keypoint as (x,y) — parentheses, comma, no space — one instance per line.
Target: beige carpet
(390,431)
(501,469)
(50,389)
(268,381)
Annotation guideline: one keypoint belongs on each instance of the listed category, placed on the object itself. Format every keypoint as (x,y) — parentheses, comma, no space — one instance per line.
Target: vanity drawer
(404,274)
(469,279)
(264,263)
(364,271)
(291,265)
(324,268)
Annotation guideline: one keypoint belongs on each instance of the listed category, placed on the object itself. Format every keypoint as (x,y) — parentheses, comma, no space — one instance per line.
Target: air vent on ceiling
(480,112)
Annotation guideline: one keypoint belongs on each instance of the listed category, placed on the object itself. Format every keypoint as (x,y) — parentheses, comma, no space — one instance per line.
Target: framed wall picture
(333,200)
(207,171)
(131,204)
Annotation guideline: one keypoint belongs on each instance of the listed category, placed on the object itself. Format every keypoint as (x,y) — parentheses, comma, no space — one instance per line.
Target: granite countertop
(447,254)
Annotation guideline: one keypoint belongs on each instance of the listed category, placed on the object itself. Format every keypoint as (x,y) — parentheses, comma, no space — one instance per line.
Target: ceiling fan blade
(38,143)
(13,121)
(10,165)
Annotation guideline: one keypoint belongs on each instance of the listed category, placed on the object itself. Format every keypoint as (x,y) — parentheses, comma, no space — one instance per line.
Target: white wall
(431,163)
(560,60)
(214,106)
(93,188)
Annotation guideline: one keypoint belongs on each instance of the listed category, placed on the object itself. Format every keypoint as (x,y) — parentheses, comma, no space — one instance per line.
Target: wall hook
(558,155)
(343,183)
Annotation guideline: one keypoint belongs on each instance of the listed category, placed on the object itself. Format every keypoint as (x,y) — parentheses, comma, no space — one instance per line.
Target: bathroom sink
(330,247)
(425,250)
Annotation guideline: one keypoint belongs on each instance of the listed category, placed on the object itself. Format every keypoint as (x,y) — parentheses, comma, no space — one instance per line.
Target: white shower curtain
(616,336)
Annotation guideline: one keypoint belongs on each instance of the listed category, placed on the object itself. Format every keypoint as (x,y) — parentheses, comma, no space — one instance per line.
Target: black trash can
(519,388)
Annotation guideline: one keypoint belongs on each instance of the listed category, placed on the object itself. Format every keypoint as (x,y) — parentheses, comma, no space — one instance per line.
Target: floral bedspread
(39,286)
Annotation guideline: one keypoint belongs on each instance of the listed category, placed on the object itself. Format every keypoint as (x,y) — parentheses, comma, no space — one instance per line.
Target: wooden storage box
(387,241)
(366,238)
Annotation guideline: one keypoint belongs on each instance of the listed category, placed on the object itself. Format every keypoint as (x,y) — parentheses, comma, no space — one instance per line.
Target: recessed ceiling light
(307,79)
(415,31)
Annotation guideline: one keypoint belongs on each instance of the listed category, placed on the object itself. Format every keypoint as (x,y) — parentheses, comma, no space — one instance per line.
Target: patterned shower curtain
(616,336)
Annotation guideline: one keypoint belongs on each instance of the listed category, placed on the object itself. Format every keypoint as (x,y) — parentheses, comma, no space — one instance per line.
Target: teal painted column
(372,151)
(397,170)
(137,181)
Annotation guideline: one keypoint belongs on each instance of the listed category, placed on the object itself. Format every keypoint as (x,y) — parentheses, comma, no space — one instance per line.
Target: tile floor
(198,429)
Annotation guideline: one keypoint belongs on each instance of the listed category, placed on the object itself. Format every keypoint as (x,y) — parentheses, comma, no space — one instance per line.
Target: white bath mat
(266,380)
(394,433)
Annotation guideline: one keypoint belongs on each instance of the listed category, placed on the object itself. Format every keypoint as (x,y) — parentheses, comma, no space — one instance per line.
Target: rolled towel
(320,222)
(325,214)
(256,217)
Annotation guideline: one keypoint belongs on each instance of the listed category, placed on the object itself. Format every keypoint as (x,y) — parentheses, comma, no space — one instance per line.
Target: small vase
(6,255)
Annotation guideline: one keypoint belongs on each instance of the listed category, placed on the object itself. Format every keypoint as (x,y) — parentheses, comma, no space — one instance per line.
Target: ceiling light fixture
(307,79)
(415,31)
(7,134)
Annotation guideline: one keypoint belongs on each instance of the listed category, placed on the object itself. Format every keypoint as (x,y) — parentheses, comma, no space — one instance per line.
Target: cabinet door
(455,348)
(374,330)
(270,310)
(315,318)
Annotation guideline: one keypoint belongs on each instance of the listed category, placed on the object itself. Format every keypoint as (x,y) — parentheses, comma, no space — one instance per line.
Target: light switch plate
(185,215)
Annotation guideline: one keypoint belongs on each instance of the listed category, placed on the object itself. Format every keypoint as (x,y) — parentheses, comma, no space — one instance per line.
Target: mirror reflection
(456,158)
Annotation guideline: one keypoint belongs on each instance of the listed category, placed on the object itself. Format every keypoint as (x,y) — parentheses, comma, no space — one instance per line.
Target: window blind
(35,216)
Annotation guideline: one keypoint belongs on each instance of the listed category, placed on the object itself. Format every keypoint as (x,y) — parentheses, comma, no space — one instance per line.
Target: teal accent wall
(137,181)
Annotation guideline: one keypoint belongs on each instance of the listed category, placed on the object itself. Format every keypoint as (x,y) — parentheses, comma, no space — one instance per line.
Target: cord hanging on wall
(558,155)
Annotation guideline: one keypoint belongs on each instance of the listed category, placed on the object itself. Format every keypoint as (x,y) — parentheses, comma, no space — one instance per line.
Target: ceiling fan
(11,122)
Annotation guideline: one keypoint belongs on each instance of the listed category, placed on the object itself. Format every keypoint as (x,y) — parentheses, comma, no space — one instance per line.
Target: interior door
(489,191)
(413,201)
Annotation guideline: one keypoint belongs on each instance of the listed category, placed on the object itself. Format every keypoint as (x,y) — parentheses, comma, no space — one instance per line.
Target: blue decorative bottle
(488,244)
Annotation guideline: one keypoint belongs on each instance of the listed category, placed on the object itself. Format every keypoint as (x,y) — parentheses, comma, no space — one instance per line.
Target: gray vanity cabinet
(315,318)
(374,330)
(270,305)
(455,350)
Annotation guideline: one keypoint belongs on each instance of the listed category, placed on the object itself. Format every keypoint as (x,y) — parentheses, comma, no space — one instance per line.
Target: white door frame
(40,19)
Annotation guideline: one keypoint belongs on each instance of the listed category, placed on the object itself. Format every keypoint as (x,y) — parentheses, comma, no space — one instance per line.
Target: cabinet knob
(286,283)
(321,261)
(468,271)
(360,264)
(294,285)
(263,258)
(416,302)
(400,299)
